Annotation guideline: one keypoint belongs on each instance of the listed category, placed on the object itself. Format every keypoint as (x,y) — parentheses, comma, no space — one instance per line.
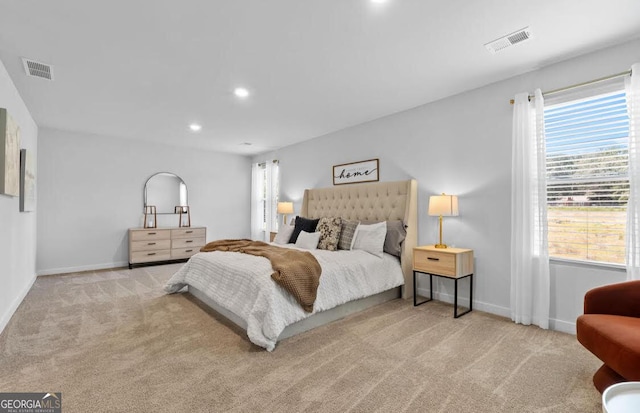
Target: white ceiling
(147,69)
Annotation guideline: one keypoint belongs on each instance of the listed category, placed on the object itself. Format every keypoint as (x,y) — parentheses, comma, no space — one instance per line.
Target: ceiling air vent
(509,40)
(37,69)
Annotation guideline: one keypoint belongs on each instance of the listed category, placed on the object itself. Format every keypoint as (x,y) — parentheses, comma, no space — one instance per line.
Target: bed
(248,297)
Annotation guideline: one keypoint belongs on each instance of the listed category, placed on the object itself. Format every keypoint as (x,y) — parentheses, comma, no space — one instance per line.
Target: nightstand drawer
(434,261)
(450,262)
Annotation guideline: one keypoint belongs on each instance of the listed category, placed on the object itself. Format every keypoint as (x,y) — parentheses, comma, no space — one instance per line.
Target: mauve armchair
(610,329)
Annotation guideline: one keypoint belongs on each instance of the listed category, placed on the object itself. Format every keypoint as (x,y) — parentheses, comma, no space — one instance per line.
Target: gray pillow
(396,233)
(347,231)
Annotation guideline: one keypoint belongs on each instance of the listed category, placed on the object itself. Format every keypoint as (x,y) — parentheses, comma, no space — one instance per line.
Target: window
(587,177)
(266,187)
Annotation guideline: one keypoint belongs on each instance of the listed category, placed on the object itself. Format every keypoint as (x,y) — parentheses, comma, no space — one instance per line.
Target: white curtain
(632,89)
(256,202)
(530,286)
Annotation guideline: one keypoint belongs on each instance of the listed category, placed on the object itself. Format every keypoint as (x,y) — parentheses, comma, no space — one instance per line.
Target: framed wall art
(9,155)
(356,172)
(27,181)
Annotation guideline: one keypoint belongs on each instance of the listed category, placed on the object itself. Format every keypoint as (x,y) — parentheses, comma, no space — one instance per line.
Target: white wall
(90,191)
(17,229)
(462,145)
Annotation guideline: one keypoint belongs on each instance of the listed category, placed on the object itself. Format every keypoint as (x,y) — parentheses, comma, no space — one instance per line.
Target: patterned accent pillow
(329,229)
(346,234)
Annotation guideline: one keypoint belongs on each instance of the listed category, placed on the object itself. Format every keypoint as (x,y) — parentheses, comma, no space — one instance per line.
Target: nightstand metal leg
(430,287)
(415,291)
(471,292)
(455,298)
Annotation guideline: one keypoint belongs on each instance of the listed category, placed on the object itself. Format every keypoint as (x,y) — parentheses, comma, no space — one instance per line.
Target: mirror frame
(183,202)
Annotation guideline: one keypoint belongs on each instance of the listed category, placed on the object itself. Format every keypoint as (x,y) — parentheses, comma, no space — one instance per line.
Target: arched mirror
(165,191)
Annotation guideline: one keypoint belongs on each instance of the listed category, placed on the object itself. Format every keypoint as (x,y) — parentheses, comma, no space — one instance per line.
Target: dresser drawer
(149,234)
(150,256)
(150,245)
(180,253)
(188,233)
(187,242)
(434,261)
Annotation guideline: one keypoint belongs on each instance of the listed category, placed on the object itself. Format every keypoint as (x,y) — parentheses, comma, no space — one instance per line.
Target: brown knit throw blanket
(298,272)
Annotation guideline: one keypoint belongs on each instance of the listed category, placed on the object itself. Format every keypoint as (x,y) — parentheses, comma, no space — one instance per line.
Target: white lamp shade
(445,205)
(285,207)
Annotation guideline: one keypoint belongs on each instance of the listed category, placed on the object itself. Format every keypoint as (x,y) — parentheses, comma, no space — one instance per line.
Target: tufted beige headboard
(379,201)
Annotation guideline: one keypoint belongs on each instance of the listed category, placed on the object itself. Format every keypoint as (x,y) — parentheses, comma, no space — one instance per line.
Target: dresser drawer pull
(151,253)
(189,251)
(151,233)
(188,232)
(433,259)
(151,243)
(188,241)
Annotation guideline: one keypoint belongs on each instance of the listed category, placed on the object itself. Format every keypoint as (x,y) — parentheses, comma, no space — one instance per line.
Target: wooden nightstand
(456,263)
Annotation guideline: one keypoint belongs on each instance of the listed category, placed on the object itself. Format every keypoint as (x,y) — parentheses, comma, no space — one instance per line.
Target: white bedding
(242,284)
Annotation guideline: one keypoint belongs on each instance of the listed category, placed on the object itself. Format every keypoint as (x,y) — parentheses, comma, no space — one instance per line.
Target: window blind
(587,177)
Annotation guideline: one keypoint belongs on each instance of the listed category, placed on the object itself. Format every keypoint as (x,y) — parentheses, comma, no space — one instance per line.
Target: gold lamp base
(440,244)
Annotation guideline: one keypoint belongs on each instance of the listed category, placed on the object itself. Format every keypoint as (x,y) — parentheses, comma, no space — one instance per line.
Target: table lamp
(285,208)
(443,206)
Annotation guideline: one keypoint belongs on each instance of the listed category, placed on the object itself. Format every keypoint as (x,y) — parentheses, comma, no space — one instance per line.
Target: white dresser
(149,245)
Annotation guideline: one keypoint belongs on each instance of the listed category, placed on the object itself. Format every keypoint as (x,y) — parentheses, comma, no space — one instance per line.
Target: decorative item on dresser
(185,215)
(456,263)
(150,217)
(160,245)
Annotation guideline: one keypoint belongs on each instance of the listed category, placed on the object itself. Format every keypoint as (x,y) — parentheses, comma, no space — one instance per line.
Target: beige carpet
(113,342)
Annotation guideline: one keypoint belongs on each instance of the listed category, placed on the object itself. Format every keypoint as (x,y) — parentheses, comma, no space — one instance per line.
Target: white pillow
(308,240)
(370,238)
(284,234)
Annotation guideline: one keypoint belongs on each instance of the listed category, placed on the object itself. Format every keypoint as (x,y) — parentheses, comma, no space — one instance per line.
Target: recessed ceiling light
(195,127)
(241,92)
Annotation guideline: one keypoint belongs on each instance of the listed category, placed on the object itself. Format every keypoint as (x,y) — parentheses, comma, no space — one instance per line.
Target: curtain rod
(577,85)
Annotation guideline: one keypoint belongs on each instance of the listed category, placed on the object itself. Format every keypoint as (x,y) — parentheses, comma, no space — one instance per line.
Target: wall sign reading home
(351,173)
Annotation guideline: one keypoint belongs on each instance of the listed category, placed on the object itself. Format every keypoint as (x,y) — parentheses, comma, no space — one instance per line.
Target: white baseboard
(562,326)
(93,267)
(464,301)
(554,324)
(4,320)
